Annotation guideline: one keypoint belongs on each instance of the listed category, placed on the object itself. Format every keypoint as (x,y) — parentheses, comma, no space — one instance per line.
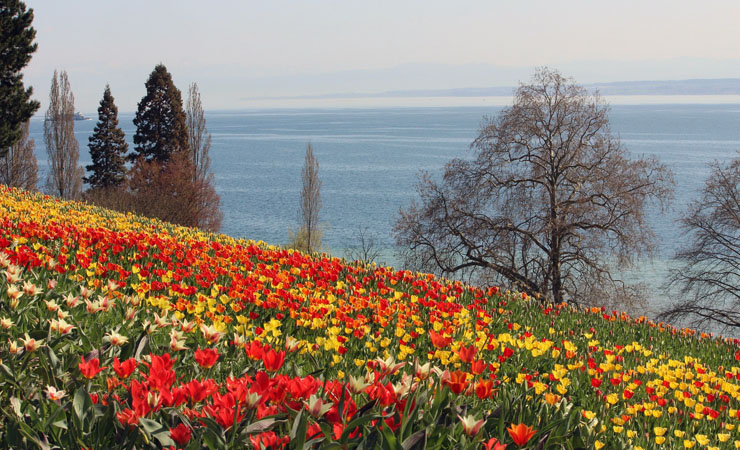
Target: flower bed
(123,332)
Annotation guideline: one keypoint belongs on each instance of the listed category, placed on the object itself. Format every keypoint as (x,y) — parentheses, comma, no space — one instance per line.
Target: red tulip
(180,434)
(273,360)
(124,369)
(254,350)
(494,444)
(206,358)
(90,368)
(478,367)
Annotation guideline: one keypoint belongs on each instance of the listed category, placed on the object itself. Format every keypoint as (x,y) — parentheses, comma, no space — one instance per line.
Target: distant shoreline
(446,102)
(482,101)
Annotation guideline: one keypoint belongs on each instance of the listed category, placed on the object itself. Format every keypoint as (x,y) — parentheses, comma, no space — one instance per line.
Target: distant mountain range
(720,86)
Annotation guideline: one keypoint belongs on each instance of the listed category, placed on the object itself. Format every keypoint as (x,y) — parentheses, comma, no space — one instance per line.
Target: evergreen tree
(108,147)
(16,47)
(160,119)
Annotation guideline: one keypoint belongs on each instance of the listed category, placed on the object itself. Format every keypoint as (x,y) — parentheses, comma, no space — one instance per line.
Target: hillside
(118,331)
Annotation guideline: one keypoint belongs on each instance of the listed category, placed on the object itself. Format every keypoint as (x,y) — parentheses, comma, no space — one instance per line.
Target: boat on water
(79,116)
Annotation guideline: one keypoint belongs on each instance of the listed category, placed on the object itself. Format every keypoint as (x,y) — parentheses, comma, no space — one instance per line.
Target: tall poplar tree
(108,147)
(64,178)
(160,120)
(199,139)
(16,47)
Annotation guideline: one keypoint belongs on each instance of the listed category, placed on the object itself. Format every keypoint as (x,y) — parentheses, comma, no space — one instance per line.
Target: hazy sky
(238,50)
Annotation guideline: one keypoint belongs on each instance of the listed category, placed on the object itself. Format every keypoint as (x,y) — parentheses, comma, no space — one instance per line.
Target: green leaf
(389,440)
(53,358)
(417,439)
(263,425)
(16,404)
(143,344)
(354,423)
(81,404)
(298,430)
(61,423)
(213,440)
(149,425)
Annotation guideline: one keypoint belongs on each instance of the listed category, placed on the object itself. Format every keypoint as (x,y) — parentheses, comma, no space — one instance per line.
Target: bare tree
(706,278)
(167,191)
(199,139)
(65,175)
(365,248)
(308,236)
(18,168)
(207,205)
(551,203)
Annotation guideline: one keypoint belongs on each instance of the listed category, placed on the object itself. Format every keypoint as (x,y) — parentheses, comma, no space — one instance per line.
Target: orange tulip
(438,340)
(484,389)
(458,381)
(521,434)
(467,354)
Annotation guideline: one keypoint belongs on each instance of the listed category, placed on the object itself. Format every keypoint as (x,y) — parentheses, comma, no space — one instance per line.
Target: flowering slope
(117,330)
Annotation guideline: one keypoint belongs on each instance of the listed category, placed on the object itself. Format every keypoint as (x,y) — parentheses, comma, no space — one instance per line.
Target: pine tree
(16,47)
(108,147)
(160,119)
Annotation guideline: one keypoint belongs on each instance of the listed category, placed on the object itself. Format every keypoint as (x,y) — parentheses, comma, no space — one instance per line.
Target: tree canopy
(160,119)
(550,203)
(108,147)
(16,48)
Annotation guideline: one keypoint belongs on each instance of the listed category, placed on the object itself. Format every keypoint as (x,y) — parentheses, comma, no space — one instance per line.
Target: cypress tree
(108,147)
(16,47)
(160,120)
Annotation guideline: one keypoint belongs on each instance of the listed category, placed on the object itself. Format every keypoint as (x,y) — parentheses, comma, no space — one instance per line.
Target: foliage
(118,331)
(16,48)
(551,202)
(19,168)
(160,121)
(707,277)
(108,147)
(64,178)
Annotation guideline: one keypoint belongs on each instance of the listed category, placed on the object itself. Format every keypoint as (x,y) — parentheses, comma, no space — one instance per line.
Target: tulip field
(118,331)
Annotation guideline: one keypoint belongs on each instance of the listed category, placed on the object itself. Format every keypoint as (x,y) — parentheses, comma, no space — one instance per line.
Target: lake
(370,159)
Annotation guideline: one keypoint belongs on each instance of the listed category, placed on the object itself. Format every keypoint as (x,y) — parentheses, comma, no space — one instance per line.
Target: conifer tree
(16,47)
(160,119)
(108,147)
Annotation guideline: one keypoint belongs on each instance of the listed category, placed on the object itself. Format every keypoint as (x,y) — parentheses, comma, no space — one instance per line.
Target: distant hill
(718,86)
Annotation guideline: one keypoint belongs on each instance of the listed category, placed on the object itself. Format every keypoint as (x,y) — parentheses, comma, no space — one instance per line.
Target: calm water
(369,160)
